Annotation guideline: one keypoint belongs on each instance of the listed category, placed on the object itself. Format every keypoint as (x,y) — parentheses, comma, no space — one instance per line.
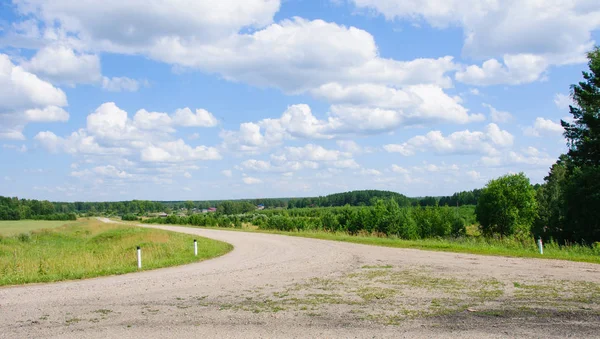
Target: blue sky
(198,100)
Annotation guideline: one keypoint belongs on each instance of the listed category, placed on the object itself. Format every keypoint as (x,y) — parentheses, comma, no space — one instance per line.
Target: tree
(582,199)
(583,134)
(507,206)
(551,201)
(582,186)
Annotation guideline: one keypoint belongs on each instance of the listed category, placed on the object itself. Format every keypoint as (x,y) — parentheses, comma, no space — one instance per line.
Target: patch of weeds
(376,293)
(44,317)
(72,321)
(280,294)
(103,311)
(377,266)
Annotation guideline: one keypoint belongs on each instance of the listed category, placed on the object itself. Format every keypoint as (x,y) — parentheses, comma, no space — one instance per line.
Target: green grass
(13,227)
(468,244)
(90,248)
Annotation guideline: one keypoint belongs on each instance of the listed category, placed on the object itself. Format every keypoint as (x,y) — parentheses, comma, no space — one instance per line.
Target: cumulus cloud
(62,65)
(227,173)
(544,127)
(463,142)
(498,116)
(431,105)
(25,98)
(178,151)
(294,55)
(110,131)
(530,35)
(516,70)
(307,157)
(47,114)
(202,118)
(529,156)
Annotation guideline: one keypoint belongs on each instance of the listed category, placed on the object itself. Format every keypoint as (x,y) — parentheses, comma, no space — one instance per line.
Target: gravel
(256,291)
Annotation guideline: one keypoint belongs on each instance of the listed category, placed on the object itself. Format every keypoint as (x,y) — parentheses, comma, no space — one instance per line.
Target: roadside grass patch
(89,248)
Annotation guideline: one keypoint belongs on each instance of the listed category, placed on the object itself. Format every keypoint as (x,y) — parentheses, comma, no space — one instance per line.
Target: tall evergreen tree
(583,134)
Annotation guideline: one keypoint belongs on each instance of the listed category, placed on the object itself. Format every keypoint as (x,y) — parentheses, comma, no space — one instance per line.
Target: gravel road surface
(274,286)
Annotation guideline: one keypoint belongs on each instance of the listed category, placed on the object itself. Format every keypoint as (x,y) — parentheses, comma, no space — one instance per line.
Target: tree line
(384,217)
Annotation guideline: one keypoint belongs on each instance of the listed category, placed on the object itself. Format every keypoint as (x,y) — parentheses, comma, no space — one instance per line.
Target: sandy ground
(273,286)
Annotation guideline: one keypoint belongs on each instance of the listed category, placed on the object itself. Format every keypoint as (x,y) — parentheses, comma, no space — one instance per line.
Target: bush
(129,217)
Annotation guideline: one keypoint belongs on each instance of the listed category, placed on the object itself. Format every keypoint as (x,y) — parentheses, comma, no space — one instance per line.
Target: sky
(223,99)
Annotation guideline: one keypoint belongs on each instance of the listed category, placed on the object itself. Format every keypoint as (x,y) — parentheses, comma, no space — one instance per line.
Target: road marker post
(195,247)
(139,257)
(540,245)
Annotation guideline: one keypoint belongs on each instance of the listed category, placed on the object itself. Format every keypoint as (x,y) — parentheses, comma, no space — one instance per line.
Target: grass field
(13,227)
(472,243)
(89,248)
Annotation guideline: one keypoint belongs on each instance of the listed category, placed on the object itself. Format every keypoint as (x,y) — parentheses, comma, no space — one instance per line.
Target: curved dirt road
(274,286)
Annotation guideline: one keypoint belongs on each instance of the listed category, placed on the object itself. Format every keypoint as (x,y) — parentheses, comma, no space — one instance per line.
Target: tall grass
(91,248)
(14,227)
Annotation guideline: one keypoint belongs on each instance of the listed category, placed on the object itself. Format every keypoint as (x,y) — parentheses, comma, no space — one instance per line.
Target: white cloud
(227,173)
(147,137)
(313,152)
(251,181)
(47,114)
(542,127)
(178,151)
(140,25)
(187,175)
(202,118)
(431,105)
(558,31)
(529,156)
(498,116)
(463,142)
(120,84)
(25,98)
(381,108)
(152,121)
(294,55)
(563,101)
(516,70)
(60,64)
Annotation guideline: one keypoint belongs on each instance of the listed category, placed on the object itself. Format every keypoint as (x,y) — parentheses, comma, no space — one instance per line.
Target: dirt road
(273,286)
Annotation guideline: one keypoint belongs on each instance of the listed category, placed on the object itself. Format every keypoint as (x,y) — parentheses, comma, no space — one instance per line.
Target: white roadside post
(540,245)
(139,257)
(195,247)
